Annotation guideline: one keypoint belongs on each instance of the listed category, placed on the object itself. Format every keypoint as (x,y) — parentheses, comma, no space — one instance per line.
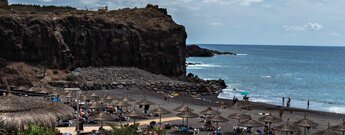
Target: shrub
(38,130)
(55,71)
(71,77)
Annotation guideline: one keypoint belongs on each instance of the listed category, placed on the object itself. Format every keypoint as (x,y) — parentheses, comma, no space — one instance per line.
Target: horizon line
(267,44)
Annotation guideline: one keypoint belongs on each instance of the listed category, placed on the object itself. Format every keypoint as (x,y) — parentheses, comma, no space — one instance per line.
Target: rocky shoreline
(196,51)
(108,78)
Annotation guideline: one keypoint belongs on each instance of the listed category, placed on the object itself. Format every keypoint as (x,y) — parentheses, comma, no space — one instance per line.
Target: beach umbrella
(18,112)
(244,92)
(286,127)
(328,131)
(134,114)
(270,119)
(217,118)
(239,115)
(187,114)
(305,123)
(340,127)
(94,95)
(183,108)
(103,116)
(144,102)
(122,104)
(85,98)
(110,98)
(127,99)
(209,111)
(96,105)
(250,123)
(160,111)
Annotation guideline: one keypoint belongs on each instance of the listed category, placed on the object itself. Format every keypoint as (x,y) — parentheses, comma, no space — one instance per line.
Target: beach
(294,114)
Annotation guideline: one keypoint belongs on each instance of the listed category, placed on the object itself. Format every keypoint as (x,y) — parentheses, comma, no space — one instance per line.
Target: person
(288,102)
(283,98)
(308,104)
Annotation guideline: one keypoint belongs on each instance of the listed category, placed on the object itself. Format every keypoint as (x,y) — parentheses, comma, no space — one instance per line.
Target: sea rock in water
(196,51)
(146,38)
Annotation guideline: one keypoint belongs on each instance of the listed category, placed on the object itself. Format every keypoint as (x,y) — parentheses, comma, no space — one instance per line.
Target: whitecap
(243,54)
(336,109)
(203,65)
(266,76)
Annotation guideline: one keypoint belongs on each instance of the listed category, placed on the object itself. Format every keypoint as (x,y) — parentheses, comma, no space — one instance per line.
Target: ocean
(271,72)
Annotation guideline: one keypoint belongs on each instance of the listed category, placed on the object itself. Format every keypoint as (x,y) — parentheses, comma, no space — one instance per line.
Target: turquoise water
(271,72)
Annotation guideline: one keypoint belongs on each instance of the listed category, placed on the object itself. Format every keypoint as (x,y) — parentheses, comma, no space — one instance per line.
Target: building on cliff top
(3,3)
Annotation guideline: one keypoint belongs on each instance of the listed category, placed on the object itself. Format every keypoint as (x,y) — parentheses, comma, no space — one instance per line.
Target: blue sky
(268,22)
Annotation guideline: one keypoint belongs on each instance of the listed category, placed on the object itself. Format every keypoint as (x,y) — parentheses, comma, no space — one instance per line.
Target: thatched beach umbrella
(160,111)
(305,123)
(103,116)
(109,98)
(18,112)
(250,123)
(134,114)
(340,127)
(328,131)
(270,119)
(187,114)
(145,102)
(183,108)
(209,111)
(217,118)
(96,105)
(238,116)
(94,95)
(286,127)
(127,99)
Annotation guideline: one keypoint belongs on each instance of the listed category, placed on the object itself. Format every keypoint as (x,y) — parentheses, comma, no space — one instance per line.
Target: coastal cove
(272,72)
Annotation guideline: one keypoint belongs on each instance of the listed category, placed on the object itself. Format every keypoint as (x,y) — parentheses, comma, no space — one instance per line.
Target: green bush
(38,130)
(71,77)
(55,71)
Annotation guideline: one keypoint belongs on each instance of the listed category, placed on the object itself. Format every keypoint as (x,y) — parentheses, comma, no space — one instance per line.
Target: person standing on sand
(288,102)
(308,104)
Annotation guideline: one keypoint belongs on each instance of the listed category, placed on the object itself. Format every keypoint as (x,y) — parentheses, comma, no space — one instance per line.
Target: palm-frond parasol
(183,108)
(286,127)
(328,131)
(217,118)
(270,119)
(340,127)
(187,114)
(209,111)
(160,111)
(18,112)
(305,123)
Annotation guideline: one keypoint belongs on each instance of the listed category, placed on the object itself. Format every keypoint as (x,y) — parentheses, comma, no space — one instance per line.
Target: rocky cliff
(146,38)
(196,51)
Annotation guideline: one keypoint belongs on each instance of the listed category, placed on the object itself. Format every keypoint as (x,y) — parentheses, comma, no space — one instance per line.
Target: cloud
(305,27)
(249,2)
(216,24)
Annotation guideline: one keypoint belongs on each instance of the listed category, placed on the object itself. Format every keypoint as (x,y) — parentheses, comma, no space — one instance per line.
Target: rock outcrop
(146,38)
(196,51)
(3,3)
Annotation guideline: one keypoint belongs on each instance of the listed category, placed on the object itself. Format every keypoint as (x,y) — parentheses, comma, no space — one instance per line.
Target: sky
(264,22)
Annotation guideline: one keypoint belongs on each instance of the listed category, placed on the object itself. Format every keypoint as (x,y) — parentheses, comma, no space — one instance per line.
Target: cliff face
(146,38)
